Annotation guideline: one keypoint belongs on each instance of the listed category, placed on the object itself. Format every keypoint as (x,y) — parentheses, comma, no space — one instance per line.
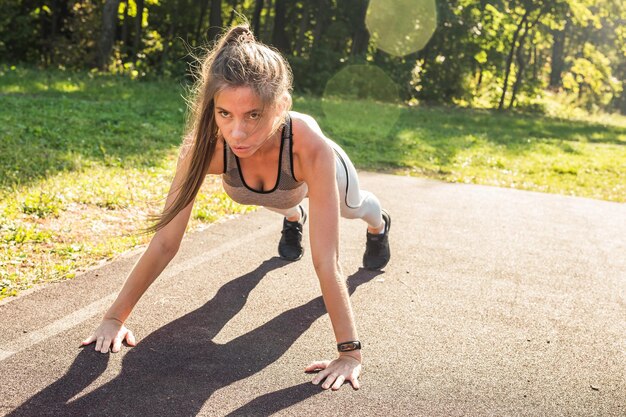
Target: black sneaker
(377,251)
(290,245)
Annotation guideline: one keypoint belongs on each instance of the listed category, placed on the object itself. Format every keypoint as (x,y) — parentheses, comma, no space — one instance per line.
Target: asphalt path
(496,302)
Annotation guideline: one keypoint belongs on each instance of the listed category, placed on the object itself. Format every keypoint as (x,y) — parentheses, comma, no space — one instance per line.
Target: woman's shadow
(176,369)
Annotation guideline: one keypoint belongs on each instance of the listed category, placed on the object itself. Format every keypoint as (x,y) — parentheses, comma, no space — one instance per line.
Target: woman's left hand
(335,373)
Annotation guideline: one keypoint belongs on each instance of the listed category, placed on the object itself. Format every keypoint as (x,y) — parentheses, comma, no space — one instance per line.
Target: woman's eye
(223,113)
(255,116)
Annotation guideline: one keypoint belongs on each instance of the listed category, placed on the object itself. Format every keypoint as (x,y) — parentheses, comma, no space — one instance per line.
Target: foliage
(494,54)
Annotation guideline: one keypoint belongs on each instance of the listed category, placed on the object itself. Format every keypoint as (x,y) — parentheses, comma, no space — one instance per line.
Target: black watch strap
(349,346)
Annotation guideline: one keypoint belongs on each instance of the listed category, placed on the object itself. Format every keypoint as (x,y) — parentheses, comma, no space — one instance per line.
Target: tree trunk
(521,59)
(107,34)
(279,36)
(54,20)
(509,58)
(256,18)
(266,29)
(60,15)
(233,11)
(621,101)
(166,45)
(173,15)
(558,59)
(138,30)
(360,34)
(203,8)
(215,20)
(124,35)
(320,22)
(45,46)
(521,65)
(50,38)
(535,63)
(302,28)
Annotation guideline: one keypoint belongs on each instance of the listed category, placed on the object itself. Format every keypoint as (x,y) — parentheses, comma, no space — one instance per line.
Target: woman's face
(243,121)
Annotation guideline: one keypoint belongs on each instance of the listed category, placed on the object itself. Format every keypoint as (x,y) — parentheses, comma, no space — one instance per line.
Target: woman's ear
(286,100)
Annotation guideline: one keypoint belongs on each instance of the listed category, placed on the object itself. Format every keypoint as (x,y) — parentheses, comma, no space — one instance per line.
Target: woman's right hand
(110,331)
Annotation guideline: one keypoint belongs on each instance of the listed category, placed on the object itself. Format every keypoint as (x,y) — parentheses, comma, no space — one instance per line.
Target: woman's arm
(160,251)
(319,174)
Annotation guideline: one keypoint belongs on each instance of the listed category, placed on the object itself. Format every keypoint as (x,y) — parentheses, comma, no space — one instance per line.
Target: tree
(109,22)
(500,54)
(509,58)
(256,17)
(360,34)
(279,35)
(215,20)
(558,54)
(138,29)
(203,8)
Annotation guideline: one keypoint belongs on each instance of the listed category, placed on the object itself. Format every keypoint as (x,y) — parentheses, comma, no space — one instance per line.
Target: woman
(241,128)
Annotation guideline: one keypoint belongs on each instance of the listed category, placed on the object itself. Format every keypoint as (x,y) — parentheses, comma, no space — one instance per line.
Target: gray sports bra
(287,192)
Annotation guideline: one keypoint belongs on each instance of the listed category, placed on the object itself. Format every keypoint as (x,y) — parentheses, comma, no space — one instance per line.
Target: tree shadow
(177,368)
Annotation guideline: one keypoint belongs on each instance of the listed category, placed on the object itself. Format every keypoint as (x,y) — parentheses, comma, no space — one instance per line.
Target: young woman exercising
(242,129)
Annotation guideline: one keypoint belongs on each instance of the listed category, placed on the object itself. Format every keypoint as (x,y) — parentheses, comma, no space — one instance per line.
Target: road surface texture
(496,302)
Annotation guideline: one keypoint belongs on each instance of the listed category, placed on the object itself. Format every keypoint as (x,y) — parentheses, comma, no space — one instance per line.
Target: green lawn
(84,158)
(472,146)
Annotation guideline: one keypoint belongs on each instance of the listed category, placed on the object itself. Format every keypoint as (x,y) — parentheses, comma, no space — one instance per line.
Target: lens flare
(401,27)
(361,97)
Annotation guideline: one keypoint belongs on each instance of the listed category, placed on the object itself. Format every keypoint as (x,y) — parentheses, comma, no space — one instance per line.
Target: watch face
(347,347)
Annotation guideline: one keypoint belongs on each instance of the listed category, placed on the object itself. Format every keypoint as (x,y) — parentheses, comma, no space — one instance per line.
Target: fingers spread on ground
(355,383)
(117,344)
(320,377)
(99,341)
(105,345)
(89,340)
(316,366)
(331,378)
(130,338)
(338,382)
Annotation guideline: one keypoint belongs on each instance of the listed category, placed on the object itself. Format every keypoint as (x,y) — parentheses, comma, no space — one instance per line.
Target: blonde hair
(237,60)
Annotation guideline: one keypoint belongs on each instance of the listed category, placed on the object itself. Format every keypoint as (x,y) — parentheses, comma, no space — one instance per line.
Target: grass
(580,158)
(84,158)
(83,161)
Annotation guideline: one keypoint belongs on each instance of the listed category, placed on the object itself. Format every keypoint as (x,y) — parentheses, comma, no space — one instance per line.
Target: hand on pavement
(335,373)
(110,332)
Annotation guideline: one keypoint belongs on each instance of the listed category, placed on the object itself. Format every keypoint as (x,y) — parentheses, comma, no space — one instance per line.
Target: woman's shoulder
(311,149)
(307,133)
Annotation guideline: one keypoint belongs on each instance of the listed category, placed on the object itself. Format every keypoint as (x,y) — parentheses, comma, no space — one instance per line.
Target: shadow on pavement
(176,369)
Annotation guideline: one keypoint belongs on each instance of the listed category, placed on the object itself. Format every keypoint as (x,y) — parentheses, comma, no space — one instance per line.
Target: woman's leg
(291,214)
(290,246)
(355,203)
(360,204)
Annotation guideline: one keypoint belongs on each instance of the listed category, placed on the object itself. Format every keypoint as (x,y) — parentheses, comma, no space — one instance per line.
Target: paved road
(496,302)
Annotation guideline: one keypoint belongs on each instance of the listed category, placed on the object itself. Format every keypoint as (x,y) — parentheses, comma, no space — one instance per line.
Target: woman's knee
(350,213)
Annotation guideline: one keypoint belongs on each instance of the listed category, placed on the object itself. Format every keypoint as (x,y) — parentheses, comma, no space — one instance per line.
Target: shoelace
(375,244)
(292,232)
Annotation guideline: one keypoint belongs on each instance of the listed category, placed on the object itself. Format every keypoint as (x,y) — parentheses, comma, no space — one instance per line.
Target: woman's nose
(238,132)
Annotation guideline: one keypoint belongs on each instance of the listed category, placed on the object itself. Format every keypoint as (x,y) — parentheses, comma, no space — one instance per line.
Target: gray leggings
(353,202)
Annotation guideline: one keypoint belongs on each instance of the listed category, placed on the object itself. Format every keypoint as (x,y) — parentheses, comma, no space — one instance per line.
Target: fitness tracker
(349,346)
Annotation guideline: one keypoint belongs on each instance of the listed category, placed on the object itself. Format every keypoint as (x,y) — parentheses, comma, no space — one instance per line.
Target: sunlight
(401,27)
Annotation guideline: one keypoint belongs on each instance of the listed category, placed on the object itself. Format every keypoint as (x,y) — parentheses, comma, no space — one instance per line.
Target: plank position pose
(242,129)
